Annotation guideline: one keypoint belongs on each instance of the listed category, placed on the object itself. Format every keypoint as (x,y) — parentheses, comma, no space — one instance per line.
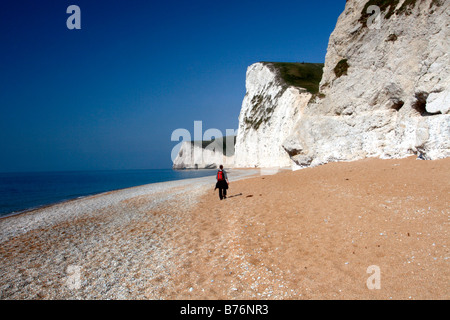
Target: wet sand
(309,234)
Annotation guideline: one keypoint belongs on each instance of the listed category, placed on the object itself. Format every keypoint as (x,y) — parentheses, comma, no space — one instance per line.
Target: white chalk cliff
(194,155)
(269,112)
(384,93)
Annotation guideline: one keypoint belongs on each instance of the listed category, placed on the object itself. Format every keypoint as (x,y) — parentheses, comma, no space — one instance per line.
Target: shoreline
(70,204)
(306,234)
(44,206)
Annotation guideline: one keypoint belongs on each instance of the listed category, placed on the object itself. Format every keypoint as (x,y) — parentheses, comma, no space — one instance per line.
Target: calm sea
(23,191)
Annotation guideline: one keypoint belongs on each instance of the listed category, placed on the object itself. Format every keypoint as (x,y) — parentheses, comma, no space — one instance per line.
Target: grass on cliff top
(205,143)
(303,75)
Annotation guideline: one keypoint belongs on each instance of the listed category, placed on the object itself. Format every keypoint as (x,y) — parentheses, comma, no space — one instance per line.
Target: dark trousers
(222,193)
(223,186)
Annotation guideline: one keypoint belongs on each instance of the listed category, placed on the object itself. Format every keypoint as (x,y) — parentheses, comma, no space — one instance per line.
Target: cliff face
(204,155)
(269,111)
(384,93)
(386,89)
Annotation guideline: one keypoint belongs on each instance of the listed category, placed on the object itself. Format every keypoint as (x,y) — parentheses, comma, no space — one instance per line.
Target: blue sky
(110,95)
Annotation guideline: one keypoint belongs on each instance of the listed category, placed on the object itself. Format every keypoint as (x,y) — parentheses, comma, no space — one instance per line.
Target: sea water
(24,191)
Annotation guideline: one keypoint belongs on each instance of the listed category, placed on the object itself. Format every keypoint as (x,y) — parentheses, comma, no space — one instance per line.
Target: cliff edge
(384,92)
(277,94)
(205,154)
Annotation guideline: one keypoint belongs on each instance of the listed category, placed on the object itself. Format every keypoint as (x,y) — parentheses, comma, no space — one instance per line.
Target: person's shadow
(236,195)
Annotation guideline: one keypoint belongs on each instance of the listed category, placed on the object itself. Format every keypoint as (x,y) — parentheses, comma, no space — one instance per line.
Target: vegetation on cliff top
(206,143)
(302,75)
(388,6)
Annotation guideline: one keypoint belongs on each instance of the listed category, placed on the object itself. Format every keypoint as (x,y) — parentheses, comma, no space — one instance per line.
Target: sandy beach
(308,234)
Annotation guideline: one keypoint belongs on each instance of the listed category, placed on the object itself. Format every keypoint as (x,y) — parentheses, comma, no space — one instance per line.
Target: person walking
(222,182)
